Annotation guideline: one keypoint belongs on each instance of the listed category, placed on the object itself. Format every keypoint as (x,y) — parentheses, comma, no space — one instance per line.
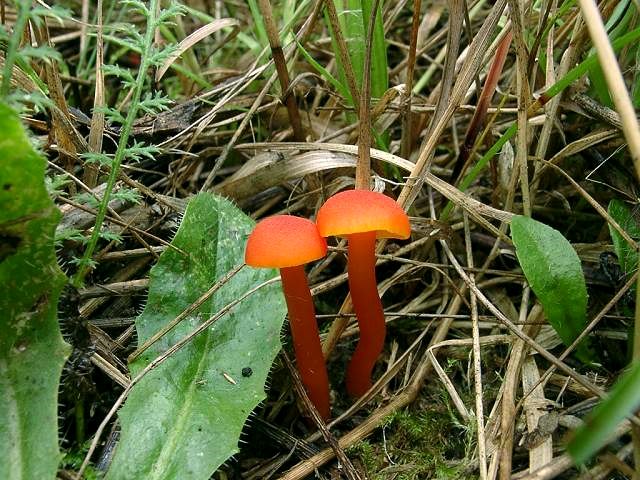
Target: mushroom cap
(359,211)
(284,241)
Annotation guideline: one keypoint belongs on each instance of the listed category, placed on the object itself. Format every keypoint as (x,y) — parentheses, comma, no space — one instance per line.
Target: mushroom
(362,216)
(287,242)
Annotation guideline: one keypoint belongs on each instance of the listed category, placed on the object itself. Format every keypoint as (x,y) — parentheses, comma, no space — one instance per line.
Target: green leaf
(102,159)
(344,91)
(623,400)
(153,103)
(554,271)
(354,17)
(135,6)
(379,70)
(117,71)
(32,351)
(258,23)
(43,53)
(139,151)
(184,418)
(623,215)
(127,195)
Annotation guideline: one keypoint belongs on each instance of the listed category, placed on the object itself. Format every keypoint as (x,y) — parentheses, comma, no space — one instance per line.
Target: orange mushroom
(362,216)
(287,242)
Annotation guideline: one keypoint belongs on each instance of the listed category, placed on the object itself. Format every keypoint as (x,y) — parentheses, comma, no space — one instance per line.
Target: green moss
(419,446)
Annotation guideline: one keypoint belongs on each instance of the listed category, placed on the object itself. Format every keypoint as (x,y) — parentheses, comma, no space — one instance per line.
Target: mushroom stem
(306,338)
(368,308)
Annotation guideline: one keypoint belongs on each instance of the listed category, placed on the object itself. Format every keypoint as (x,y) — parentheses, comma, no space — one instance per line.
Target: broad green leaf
(184,418)
(623,400)
(32,351)
(553,270)
(623,215)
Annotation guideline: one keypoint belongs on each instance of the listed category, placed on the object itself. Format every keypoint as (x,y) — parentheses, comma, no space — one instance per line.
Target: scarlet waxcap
(284,241)
(359,211)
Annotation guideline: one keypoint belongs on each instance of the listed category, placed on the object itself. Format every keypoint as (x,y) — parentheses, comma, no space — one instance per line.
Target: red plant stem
(477,121)
(306,338)
(368,308)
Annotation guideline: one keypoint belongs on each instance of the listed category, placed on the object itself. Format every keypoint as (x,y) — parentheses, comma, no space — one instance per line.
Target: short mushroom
(362,216)
(287,242)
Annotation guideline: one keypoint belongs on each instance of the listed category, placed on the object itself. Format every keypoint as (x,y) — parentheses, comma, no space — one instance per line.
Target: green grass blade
(635,87)
(571,76)
(354,16)
(260,30)
(340,87)
(379,68)
(623,400)
(352,24)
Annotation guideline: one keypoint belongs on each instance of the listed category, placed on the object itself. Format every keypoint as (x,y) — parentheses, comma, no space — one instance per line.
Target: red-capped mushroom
(287,242)
(362,216)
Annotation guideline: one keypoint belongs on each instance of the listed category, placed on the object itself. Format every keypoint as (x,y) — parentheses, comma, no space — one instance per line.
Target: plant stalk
(405,148)
(343,51)
(125,133)
(363,168)
(281,67)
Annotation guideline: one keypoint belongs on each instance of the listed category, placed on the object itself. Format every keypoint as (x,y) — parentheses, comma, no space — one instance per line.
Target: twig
(522,87)
(343,51)
(508,414)
(129,287)
(363,167)
(405,149)
(477,364)
(281,67)
(349,470)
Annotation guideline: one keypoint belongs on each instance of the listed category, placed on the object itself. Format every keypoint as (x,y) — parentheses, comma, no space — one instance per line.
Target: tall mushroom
(287,242)
(362,216)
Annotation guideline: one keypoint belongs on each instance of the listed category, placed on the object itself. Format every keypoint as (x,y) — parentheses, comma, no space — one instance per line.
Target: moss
(419,446)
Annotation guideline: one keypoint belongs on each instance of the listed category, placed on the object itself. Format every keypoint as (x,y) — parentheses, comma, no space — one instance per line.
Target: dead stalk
(477,364)
(407,139)
(280,62)
(523,89)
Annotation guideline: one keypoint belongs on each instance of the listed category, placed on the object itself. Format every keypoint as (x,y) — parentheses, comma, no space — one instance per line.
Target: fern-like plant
(18,56)
(142,100)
